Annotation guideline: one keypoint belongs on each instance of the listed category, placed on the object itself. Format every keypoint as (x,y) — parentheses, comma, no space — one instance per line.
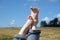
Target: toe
(29,17)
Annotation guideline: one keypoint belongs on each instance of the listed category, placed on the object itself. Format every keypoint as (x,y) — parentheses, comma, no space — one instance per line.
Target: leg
(19,37)
(24,29)
(34,33)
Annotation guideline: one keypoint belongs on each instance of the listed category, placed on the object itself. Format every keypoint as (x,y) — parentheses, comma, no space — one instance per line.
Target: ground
(47,33)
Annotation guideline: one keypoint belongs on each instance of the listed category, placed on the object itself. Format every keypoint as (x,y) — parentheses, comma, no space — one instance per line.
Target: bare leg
(34,27)
(34,17)
(24,29)
(26,26)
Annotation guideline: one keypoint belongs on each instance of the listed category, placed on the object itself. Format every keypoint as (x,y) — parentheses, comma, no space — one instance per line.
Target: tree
(43,23)
(53,22)
(58,24)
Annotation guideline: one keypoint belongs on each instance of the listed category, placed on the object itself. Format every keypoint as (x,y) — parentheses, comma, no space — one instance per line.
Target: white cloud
(46,19)
(53,0)
(58,16)
(12,22)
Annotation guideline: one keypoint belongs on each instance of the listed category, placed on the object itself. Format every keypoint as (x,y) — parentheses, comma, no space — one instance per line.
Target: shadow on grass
(6,38)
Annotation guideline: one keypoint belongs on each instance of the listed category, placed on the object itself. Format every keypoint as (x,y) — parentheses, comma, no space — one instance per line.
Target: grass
(47,33)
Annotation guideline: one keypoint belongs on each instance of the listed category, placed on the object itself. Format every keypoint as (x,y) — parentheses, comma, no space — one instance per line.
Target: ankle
(34,27)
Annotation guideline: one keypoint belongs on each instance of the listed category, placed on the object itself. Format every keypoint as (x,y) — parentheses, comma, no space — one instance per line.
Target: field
(47,33)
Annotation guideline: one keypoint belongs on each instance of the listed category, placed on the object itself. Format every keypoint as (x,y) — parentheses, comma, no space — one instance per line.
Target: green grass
(6,38)
(47,33)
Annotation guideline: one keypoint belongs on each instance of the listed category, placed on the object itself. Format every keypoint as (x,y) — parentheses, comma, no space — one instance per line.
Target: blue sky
(14,12)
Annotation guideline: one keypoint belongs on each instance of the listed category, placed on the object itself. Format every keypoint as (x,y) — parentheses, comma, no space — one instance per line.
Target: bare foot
(30,18)
(34,14)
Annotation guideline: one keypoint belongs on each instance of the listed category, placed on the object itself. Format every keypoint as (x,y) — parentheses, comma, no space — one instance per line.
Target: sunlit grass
(47,33)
